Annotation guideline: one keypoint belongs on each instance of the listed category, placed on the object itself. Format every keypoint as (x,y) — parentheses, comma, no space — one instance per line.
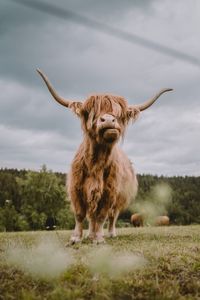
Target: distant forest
(28,199)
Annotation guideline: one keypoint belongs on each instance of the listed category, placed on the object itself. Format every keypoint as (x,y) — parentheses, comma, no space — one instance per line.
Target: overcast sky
(79,61)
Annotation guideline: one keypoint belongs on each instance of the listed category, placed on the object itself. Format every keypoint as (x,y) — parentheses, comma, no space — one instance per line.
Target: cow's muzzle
(108,128)
(111,134)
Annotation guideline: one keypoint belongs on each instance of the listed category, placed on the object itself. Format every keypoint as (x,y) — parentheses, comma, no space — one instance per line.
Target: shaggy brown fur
(101,181)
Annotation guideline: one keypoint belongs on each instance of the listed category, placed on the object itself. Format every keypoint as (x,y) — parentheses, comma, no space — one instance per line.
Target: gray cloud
(80,61)
(73,16)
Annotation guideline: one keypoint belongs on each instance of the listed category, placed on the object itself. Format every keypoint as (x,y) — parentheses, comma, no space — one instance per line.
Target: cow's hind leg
(96,224)
(99,235)
(112,218)
(92,228)
(100,220)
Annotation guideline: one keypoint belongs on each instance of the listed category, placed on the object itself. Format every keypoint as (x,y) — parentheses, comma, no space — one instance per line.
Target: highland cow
(101,182)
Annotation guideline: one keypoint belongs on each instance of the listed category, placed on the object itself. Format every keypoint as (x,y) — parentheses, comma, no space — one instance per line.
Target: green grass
(171,271)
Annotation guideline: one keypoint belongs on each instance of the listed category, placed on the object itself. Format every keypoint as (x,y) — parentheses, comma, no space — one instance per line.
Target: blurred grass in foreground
(166,265)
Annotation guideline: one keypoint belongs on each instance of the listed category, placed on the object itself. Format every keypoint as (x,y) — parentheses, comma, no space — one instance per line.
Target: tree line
(29,198)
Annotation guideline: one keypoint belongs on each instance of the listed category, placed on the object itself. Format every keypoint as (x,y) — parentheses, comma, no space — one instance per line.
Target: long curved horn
(59,99)
(149,102)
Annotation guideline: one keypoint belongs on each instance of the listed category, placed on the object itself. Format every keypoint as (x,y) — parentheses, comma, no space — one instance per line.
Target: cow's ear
(132,113)
(76,107)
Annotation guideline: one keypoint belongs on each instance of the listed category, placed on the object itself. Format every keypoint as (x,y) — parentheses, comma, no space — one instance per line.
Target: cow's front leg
(94,195)
(79,214)
(78,230)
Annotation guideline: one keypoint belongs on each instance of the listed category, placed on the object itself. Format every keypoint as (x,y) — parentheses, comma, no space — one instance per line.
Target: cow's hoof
(90,236)
(74,240)
(112,235)
(99,240)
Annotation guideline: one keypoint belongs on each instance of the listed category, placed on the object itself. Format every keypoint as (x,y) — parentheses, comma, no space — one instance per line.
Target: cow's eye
(85,114)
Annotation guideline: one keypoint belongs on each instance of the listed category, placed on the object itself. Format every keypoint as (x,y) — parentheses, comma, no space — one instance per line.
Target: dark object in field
(137,220)
(101,181)
(162,221)
(50,223)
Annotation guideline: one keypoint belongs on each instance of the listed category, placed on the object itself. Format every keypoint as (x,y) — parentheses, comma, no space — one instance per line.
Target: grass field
(142,263)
